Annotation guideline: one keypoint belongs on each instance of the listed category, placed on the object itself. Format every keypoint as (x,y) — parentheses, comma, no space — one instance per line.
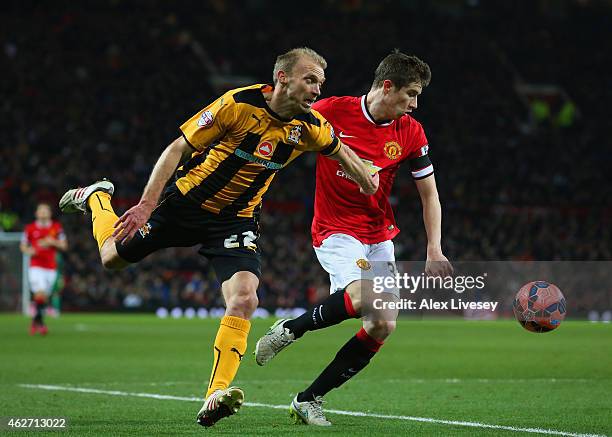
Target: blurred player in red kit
(352,233)
(41,241)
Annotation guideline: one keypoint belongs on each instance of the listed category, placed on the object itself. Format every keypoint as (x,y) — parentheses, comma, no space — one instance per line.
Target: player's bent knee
(240,293)
(243,297)
(380,329)
(390,326)
(115,262)
(40,297)
(242,305)
(243,302)
(110,258)
(355,291)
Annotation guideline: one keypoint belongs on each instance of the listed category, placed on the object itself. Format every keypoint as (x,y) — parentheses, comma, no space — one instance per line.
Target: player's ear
(387,86)
(281,77)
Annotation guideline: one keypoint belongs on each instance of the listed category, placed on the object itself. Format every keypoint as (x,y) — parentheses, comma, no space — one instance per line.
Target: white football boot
(75,200)
(220,404)
(276,339)
(310,412)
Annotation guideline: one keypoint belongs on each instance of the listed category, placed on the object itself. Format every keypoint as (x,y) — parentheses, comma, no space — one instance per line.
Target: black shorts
(228,242)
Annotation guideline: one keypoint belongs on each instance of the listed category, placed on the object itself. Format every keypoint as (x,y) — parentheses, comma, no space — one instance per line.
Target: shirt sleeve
(420,162)
(324,106)
(60,235)
(25,236)
(210,124)
(327,131)
(322,137)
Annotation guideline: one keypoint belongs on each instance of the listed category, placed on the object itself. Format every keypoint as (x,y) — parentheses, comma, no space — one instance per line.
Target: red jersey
(44,256)
(339,206)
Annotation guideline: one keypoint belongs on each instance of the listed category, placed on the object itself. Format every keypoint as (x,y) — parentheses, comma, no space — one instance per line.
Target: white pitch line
(340,412)
(485,380)
(390,381)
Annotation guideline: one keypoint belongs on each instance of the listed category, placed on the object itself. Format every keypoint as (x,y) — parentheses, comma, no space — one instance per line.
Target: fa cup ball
(539,306)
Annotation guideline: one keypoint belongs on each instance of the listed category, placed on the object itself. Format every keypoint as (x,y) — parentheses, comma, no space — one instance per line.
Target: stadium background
(99,90)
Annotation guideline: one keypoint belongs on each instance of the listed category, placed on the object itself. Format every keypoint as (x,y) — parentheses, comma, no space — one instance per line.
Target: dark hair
(401,69)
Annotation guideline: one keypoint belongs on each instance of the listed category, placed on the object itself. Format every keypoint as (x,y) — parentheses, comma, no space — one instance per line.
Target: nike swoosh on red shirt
(343,135)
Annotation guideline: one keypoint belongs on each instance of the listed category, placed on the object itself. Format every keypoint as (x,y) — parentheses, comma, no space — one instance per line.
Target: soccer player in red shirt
(41,241)
(352,233)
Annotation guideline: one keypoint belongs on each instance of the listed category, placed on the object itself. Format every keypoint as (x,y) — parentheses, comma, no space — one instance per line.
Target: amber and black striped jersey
(240,144)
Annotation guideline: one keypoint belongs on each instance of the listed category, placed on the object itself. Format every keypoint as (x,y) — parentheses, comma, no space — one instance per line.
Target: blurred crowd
(99,90)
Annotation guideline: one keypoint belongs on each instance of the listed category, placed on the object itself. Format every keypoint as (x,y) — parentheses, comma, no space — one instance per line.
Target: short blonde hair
(287,61)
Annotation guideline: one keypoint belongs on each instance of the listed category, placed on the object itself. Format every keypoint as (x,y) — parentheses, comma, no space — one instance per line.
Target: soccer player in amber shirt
(352,233)
(41,240)
(237,144)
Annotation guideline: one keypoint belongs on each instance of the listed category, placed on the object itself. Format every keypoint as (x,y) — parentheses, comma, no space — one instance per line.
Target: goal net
(14,293)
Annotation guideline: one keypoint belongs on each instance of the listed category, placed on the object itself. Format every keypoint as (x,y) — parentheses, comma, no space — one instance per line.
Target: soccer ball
(539,306)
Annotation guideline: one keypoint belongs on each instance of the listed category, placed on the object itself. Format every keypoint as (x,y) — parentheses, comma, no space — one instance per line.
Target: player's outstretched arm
(27,249)
(60,244)
(356,169)
(437,264)
(135,217)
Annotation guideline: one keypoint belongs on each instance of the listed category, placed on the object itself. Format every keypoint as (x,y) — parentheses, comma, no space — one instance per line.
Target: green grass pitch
(491,373)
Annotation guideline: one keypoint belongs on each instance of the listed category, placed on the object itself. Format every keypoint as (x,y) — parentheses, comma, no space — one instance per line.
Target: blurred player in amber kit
(41,241)
(352,233)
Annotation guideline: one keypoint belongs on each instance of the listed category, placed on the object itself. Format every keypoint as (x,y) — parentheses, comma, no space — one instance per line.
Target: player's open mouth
(309,102)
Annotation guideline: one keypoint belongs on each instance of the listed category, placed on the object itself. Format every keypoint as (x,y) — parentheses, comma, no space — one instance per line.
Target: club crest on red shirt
(393,150)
